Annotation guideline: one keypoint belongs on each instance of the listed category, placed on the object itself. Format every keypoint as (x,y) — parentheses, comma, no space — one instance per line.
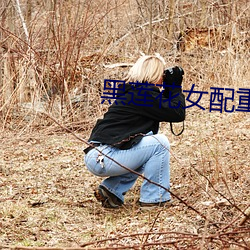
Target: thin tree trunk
(203,22)
(20,13)
(28,14)
(171,19)
(150,9)
(6,78)
(28,90)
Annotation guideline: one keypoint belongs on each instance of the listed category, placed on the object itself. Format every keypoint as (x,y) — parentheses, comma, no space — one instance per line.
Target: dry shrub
(61,72)
(60,69)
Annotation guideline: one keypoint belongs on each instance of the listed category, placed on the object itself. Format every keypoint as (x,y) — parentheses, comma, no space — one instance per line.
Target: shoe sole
(102,196)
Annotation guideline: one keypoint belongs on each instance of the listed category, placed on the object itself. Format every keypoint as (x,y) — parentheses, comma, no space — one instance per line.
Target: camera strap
(171,127)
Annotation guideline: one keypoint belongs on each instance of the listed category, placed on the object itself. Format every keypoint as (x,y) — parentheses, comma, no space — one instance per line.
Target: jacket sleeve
(169,109)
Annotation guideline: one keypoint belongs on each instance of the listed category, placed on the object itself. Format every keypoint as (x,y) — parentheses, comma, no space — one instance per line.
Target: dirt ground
(46,193)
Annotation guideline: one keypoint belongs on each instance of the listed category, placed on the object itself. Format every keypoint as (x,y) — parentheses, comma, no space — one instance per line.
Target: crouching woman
(128,134)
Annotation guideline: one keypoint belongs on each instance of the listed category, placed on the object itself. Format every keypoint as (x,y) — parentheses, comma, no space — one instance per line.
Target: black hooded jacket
(137,111)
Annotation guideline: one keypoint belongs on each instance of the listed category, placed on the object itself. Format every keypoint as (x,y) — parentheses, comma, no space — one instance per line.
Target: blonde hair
(148,68)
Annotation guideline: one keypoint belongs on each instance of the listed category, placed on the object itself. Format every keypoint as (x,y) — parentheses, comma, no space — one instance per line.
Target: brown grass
(46,193)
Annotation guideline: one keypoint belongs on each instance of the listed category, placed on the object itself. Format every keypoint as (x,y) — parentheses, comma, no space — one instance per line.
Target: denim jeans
(149,157)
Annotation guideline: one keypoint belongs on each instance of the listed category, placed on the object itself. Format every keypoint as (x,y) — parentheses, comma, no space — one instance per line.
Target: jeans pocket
(95,160)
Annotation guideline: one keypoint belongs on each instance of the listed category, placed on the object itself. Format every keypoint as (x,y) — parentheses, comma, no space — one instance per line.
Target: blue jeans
(148,157)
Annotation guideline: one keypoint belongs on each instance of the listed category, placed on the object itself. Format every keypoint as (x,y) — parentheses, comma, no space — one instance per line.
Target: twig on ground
(246,216)
(130,170)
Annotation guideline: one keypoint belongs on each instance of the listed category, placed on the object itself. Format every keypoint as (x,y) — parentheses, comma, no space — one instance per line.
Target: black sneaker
(107,199)
(151,206)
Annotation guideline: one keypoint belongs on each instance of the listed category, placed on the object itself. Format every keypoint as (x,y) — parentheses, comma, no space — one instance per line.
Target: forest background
(54,57)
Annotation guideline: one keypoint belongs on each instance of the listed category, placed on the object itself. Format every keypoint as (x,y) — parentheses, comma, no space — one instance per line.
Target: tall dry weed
(70,42)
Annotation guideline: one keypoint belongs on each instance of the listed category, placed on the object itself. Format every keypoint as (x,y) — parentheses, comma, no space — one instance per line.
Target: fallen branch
(115,65)
(132,171)
(174,237)
(246,216)
(39,248)
(217,191)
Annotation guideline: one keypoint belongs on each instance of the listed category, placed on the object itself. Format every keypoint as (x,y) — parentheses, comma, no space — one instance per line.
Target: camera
(173,76)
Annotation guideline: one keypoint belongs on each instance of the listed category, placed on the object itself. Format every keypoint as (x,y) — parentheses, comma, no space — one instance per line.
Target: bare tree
(27,85)
(6,62)
(203,22)
(171,19)
(150,10)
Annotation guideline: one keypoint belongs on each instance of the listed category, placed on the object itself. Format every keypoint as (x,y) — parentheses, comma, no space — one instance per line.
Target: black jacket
(126,121)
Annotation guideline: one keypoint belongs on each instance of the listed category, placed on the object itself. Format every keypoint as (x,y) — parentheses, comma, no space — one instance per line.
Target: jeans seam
(158,148)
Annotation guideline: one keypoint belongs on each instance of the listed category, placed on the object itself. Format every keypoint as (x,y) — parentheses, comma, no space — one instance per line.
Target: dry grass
(47,198)
(46,194)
